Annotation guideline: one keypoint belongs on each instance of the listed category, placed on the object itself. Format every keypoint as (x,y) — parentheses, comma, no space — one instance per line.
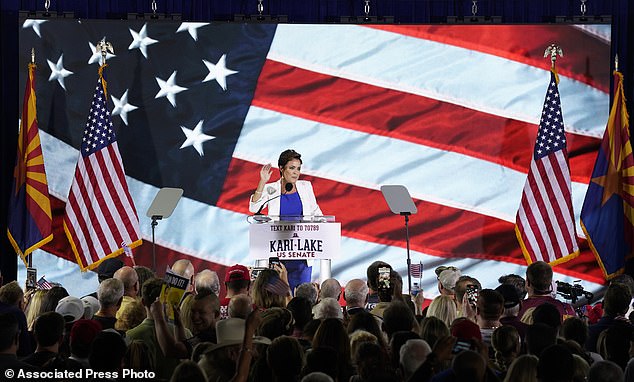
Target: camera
(573,291)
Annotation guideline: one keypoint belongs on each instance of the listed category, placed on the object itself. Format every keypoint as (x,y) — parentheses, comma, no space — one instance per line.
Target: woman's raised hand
(266,172)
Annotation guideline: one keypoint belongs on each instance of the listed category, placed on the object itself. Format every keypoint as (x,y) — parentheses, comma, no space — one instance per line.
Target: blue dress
(298,270)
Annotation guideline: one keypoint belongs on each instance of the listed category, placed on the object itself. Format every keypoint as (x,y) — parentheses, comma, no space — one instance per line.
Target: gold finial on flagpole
(33,56)
(616,62)
(552,51)
(104,47)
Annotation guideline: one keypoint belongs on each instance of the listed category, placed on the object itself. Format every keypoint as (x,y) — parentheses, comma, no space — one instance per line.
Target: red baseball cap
(237,272)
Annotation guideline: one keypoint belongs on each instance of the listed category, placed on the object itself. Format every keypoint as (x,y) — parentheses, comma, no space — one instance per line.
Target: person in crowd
(398,317)
(308,291)
(288,197)
(52,297)
(615,342)
(82,334)
(606,371)
(433,328)
(444,308)
(447,279)
(107,352)
(512,307)
(364,320)
(186,311)
(372,274)
(71,308)
(91,306)
(131,288)
(188,371)
(137,357)
(327,308)
(357,338)
(130,316)
(48,332)
(523,369)
(275,322)
(516,281)
(575,329)
(330,288)
(464,282)
(9,342)
(331,333)
(302,314)
(506,344)
(110,296)
(372,364)
(207,280)
(539,279)
(356,296)
(144,274)
(12,302)
(240,306)
(285,359)
(108,267)
(556,364)
(489,309)
(205,313)
(397,340)
(539,337)
(184,268)
(237,282)
(34,306)
(411,355)
(270,288)
(615,304)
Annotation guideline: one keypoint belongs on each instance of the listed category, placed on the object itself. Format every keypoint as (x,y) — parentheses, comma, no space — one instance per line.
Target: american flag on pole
(545,224)
(451,112)
(100,214)
(416,270)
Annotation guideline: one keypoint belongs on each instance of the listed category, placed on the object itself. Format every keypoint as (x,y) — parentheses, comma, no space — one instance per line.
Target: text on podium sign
(295,241)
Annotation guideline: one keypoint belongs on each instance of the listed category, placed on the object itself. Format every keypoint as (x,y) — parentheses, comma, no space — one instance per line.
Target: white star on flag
(196,137)
(96,56)
(58,72)
(141,40)
(191,28)
(169,88)
(122,107)
(35,24)
(219,71)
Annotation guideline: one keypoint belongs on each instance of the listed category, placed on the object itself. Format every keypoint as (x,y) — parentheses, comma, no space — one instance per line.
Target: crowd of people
(366,330)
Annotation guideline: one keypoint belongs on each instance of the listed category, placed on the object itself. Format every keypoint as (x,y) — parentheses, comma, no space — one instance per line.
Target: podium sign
(294,240)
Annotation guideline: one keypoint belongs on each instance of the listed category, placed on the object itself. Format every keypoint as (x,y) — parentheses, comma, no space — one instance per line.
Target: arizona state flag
(29,223)
(608,209)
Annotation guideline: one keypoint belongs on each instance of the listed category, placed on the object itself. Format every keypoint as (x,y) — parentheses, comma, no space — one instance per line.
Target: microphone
(287,188)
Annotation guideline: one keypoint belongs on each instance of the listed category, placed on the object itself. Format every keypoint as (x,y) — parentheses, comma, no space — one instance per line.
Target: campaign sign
(295,241)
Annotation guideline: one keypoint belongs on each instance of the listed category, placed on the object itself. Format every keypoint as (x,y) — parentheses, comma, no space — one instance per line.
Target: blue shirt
(291,205)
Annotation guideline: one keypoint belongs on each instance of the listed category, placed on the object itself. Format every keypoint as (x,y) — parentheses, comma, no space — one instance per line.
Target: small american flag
(100,213)
(545,224)
(43,283)
(416,270)
(277,286)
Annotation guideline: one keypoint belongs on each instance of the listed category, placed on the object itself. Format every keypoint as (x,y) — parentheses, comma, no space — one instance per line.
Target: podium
(295,238)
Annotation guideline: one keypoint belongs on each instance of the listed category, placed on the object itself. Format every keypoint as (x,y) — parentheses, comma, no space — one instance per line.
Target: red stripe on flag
(434,123)
(434,231)
(523,43)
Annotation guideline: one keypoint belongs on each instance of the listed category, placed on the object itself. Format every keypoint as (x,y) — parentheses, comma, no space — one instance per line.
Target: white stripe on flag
(429,68)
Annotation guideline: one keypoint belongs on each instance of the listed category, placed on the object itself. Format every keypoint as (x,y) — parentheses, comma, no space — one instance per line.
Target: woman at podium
(289,198)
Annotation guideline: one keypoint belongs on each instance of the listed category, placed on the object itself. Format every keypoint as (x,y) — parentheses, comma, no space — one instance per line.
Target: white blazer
(272,190)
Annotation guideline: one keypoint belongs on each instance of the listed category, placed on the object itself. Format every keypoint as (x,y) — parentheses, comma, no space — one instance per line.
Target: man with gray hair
(110,296)
(240,306)
(327,308)
(330,288)
(184,268)
(308,291)
(356,296)
(207,280)
(412,354)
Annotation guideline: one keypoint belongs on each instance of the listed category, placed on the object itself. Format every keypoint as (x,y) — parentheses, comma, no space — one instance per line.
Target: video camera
(573,291)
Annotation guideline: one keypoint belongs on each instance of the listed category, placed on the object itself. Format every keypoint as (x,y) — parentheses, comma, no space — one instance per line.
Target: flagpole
(30,256)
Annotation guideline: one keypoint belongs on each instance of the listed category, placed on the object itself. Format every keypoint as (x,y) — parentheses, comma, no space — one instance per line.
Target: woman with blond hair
(443,307)
(523,369)
(34,306)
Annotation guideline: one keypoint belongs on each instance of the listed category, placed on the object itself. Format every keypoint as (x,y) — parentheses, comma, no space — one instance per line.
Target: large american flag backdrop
(451,112)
